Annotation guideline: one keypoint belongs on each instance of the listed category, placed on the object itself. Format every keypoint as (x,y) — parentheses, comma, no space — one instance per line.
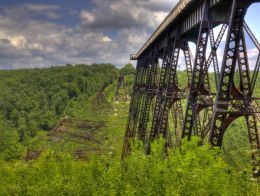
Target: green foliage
(32,102)
(127,70)
(191,170)
(37,98)
(9,146)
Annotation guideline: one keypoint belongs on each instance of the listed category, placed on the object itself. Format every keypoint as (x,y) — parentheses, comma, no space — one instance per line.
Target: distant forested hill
(36,98)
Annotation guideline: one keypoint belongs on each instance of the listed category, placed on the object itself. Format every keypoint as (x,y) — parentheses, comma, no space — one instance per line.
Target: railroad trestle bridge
(157,93)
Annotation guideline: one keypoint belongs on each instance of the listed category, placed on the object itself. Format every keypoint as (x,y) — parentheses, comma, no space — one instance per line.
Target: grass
(88,128)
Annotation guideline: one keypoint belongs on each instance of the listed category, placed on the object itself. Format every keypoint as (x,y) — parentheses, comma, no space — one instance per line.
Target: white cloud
(127,13)
(37,44)
(252,57)
(30,42)
(107,32)
(29,10)
(106,39)
(87,17)
(41,7)
(17,41)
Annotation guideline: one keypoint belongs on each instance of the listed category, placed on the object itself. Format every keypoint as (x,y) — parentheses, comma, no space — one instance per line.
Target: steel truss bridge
(158,100)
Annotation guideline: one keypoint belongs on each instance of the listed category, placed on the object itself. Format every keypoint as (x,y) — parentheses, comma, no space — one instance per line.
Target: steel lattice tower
(157,93)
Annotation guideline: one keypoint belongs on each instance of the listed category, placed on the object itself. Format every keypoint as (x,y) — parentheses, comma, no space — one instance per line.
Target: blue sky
(253,17)
(40,33)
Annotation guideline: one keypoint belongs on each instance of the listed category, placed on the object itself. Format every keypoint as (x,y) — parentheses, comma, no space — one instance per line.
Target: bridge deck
(191,9)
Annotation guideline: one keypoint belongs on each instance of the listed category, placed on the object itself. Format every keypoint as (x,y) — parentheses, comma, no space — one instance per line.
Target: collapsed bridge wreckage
(157,93)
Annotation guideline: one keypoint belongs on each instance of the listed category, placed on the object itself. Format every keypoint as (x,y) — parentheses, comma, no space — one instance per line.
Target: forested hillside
(61,133)
(36,98)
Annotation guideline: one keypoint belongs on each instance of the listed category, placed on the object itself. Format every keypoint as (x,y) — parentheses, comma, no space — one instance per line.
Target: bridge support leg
(177,113)
(191,120)
(223,114)
(134,106)
(170,93)
(227,75)
(150,92)
(160,96)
